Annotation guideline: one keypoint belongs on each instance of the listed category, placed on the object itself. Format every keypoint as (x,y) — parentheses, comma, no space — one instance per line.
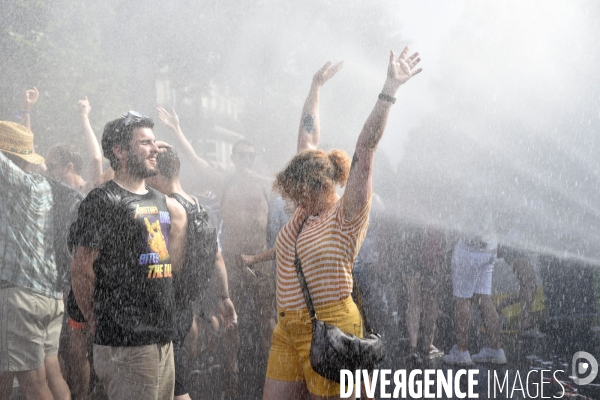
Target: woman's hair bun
(340,162)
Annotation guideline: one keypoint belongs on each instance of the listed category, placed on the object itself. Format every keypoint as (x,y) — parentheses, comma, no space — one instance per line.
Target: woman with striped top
(332,233)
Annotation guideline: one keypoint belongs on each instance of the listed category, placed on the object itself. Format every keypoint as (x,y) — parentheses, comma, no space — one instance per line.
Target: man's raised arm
(31,97)
(310,128)
(91,143)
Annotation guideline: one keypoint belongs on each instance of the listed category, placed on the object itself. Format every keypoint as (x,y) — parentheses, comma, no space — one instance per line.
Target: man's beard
(138,169)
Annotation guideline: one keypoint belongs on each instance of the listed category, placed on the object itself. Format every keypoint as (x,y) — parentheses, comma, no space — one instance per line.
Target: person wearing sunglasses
(128,241)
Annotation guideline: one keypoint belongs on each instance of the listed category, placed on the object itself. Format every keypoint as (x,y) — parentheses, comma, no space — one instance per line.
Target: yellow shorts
(290,346)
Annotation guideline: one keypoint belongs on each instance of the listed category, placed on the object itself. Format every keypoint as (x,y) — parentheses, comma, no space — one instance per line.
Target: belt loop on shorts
(346,305)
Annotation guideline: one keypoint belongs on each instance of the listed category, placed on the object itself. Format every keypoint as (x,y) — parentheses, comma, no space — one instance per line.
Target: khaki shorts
(136,372)
(30,326)
(290,347)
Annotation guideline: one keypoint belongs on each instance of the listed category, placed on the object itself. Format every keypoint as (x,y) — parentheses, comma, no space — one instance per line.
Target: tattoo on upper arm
(308,123)
(354,161)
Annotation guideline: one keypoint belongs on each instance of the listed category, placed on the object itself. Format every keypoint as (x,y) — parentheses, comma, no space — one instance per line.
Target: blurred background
(503,120)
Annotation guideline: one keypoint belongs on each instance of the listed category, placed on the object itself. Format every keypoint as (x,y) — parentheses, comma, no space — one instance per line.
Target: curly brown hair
(311,172)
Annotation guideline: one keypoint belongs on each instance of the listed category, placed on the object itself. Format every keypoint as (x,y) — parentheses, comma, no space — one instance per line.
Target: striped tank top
(327,248)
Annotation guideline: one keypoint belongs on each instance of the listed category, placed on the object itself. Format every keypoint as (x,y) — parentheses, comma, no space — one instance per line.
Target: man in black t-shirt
(128,240)
(198,254)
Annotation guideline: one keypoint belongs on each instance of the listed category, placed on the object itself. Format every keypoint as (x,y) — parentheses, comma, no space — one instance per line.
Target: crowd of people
(125,268)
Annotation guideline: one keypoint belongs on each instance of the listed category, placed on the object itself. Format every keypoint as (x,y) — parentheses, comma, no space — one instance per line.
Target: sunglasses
(131,117)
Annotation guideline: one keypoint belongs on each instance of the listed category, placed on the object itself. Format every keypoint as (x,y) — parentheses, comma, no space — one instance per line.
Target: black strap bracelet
(387,98)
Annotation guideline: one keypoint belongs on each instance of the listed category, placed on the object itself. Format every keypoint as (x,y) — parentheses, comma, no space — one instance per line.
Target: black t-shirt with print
(133,296)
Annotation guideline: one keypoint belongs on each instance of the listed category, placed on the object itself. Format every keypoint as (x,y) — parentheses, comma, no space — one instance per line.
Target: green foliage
(59,50)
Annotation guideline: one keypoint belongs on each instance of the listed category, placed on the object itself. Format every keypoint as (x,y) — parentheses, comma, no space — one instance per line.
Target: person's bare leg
(231,337)
(352,397)
(430,312)
(527,287)
(56,382)
(33,384)
(79,371)
(277,390)
(490,319)
(191,340)
(6,384)
(231,341)
(267,325)
(413,307)
(462,321)
(239,291)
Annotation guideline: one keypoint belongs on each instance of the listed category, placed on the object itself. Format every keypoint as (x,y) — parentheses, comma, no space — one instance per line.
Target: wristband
(224,297)
(386,97)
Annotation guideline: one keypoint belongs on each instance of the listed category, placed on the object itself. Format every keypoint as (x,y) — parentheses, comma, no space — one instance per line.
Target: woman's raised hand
(402,69)
(326,72)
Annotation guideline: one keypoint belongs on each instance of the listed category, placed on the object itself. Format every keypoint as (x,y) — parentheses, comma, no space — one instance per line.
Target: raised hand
(84,107)
(30,98)
(326,72)
(402,69)
(171,119)
(162,146)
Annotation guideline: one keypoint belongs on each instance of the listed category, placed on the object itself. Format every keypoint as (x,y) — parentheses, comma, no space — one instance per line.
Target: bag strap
(308,299)
(189,206)
(302,279)
(359,303)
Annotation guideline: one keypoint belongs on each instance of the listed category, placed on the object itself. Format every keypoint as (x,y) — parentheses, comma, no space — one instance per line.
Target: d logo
(591,365)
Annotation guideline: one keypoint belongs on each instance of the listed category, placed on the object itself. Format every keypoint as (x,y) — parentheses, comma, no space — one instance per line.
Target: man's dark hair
(117,133)
(67,153)
(239,144)
(168,163)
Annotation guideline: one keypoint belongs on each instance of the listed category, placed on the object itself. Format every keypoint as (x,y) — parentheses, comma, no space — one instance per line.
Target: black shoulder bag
(331,349)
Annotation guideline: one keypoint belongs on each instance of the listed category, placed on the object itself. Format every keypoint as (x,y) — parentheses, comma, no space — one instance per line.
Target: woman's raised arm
(358,188)
(310,128)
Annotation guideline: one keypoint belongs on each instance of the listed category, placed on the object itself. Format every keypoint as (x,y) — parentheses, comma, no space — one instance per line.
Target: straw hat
(18,140)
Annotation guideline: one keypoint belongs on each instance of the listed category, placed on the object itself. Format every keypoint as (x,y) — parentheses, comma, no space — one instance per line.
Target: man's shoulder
(156,193)
(105,194)
(63,189)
